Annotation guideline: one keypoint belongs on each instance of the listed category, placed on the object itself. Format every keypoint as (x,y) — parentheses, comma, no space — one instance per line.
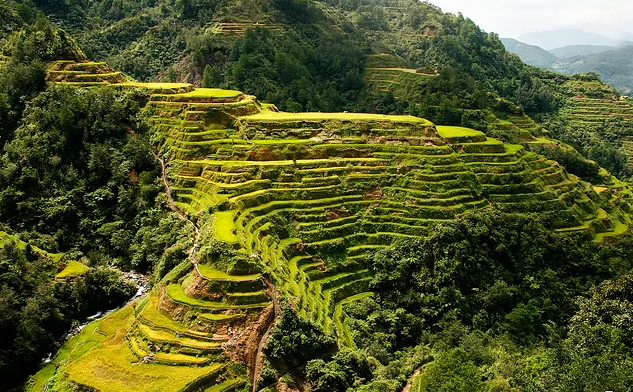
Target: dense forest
(495,302)
(312,55)
(489,302)
(77,177)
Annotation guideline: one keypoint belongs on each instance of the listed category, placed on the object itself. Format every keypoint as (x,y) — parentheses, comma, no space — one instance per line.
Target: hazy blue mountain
(614,66)
(580,50)
(559,38)
(530,54)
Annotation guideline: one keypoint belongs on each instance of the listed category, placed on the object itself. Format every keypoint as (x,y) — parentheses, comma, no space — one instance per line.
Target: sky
(511,18)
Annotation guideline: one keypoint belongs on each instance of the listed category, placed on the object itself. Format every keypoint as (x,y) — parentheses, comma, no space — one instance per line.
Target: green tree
(452,371)
(597,354)
(294,341)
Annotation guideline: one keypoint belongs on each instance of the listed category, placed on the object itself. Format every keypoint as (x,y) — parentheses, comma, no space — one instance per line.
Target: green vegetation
(224,228)
(36,313)
(458,132)
(73,268)
(294,341)
(451,371)
(593,118)
(281,116)
(393,245)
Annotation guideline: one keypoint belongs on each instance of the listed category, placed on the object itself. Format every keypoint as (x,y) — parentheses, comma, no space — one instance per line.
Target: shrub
(294,341)
(452,371)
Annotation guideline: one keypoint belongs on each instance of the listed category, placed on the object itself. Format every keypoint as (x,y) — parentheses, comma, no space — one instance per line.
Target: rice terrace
(302,195)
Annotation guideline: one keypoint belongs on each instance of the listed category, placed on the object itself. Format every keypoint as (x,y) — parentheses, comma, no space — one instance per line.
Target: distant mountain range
(572,51)
(553,39)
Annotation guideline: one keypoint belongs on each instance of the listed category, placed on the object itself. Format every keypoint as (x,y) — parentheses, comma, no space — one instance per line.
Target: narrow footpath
(260,347)
(196,231)
(194,260)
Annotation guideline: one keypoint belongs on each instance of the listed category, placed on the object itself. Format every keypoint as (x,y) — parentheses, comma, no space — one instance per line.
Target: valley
(315,195)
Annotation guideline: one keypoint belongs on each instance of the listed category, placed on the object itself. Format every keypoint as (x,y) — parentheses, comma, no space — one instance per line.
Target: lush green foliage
(295,341)
(506,275)
(343,371)
(452,371)
(597,353)
(77,169)
(35,312)
(490,271)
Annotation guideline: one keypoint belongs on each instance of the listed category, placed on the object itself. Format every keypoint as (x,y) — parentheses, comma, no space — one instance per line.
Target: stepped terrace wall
(313,195)
(302,201)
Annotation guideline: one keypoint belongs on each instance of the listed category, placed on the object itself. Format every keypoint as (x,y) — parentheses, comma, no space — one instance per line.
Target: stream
(142,285)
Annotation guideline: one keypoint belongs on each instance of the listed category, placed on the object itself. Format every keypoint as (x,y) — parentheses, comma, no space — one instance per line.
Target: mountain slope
(531,54)
(305,199)
(319,250)
(579,50)
(615,66)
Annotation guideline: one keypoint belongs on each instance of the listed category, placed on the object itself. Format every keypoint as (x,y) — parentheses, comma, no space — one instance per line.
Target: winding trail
(260,347)
(194,260)
(196,231)
(410,380)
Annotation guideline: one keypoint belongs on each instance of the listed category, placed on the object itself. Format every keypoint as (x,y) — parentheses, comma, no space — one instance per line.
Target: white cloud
(513,18)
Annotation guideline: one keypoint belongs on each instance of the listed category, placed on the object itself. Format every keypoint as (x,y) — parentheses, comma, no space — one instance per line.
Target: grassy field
(283,116)
(76,347)
(211,93)
(224,227)
(73,268)
(214,274)
(155,86)
(449,132)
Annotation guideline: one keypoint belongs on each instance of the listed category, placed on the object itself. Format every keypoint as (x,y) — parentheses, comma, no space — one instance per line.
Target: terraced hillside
(294,204)
(240,28)
(597,109)
(387,74)
(83,73)
(312,195)
(594,103)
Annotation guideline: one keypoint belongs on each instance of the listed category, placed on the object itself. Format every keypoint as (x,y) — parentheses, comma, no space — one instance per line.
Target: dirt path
(196,231)
(194,260)
(407,388)
(258,357)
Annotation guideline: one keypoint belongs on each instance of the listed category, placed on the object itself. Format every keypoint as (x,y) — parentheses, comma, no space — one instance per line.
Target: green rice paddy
(309,197)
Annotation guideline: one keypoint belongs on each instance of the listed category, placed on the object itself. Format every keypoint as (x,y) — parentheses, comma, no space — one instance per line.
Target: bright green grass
(602,215)
(266,142)
(280,163)
(283,116)
(116,369)
(221,317)
(74,348)
(224,226)
(211,273)
(176,293)
(224,386)
(180,358)
(166,337)
(74,268)
(6,237)
(155,86)
(153,315)
(78,345)
(448,132)
(108,365)
(619,228)
(211,93)
(541,140)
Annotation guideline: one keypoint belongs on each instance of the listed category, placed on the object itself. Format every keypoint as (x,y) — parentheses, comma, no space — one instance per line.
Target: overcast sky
(510,18)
